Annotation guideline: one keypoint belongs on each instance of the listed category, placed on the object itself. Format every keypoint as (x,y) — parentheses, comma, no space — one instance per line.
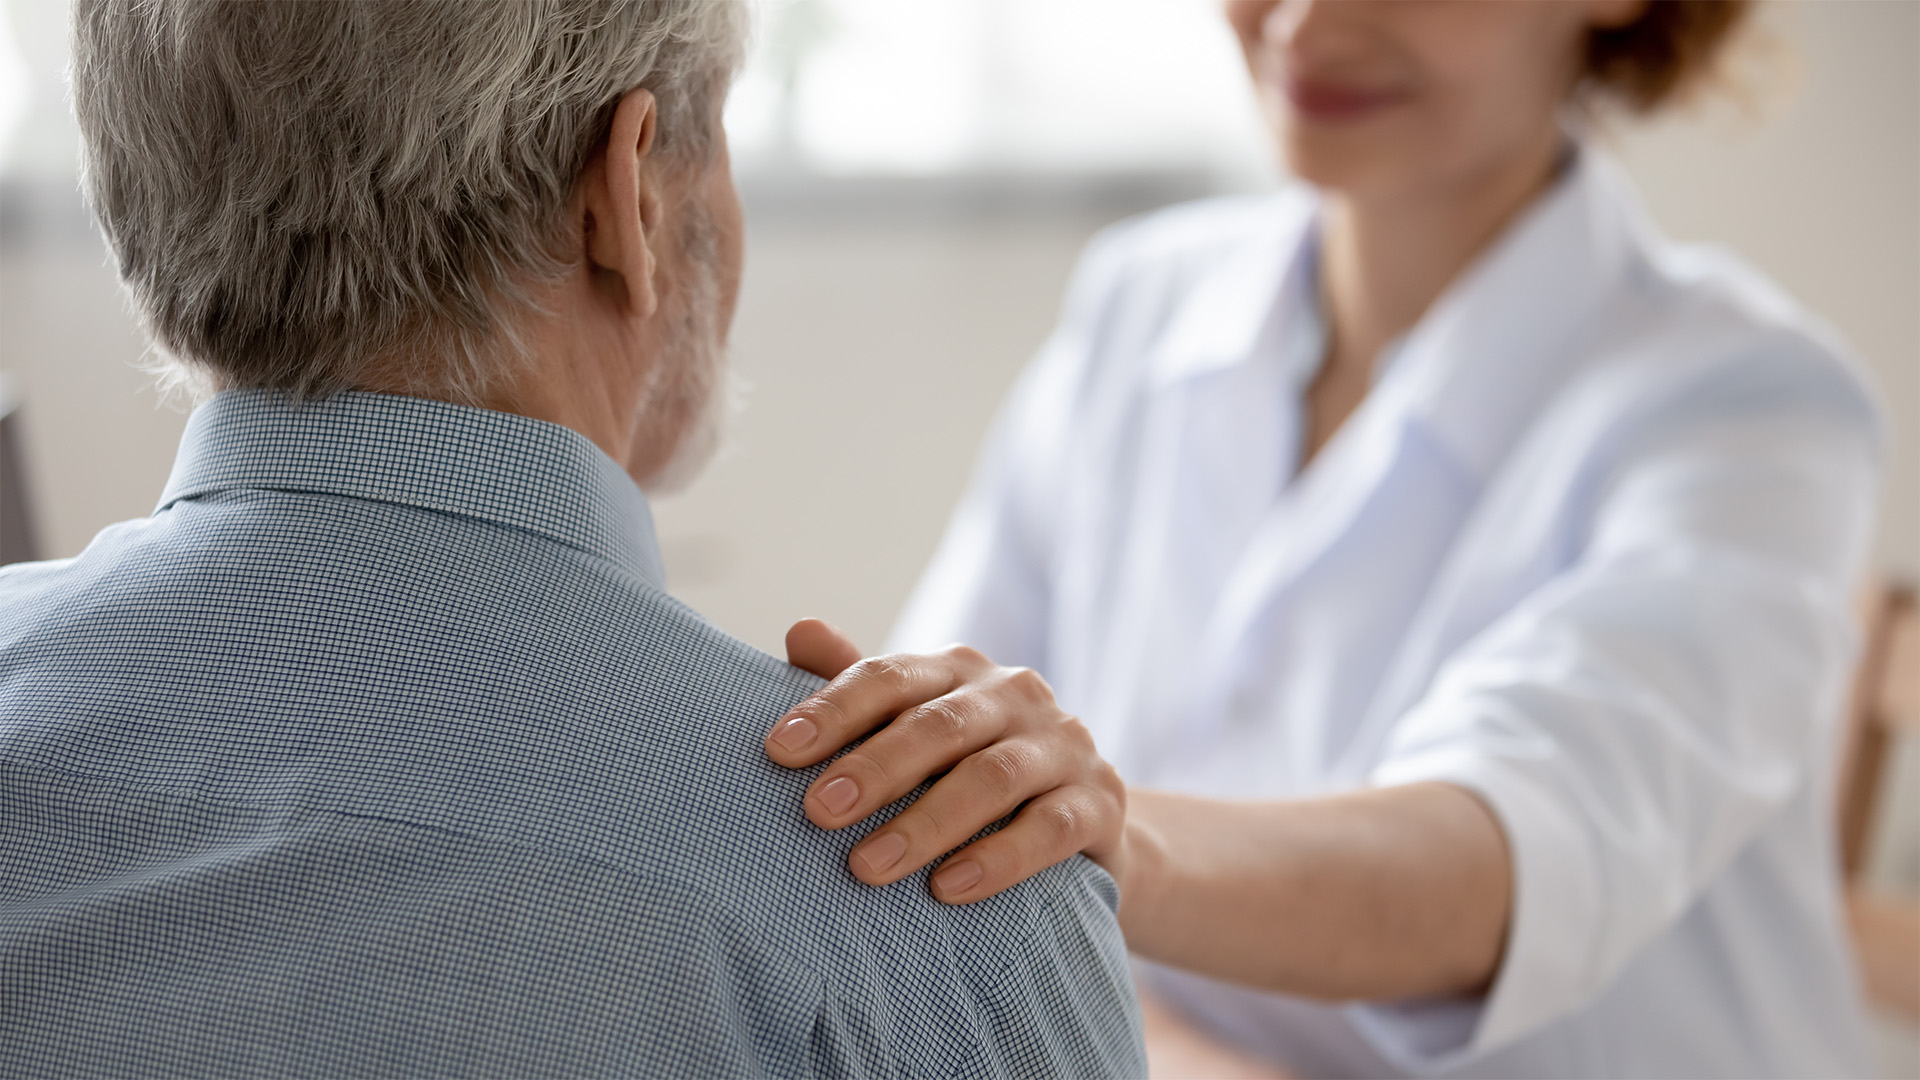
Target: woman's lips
(1336,102)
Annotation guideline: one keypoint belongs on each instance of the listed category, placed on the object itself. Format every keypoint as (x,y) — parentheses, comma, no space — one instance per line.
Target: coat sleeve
(1636,721)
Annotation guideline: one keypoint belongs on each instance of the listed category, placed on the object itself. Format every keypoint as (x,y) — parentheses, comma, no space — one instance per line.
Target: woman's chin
(1331,172)
(1337,159)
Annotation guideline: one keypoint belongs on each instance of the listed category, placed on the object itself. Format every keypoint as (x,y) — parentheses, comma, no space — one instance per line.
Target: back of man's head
(299,191)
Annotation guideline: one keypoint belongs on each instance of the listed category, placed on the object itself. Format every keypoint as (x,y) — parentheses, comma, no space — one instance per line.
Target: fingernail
(958,878)
(840,795)
(796,734)
(883,852)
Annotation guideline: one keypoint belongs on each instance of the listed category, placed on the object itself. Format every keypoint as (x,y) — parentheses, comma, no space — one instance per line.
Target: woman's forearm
(1380,894)
(1377,894)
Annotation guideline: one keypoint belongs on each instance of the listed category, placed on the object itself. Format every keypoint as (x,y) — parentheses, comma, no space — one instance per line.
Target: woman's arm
(1634,723)
(1386,893)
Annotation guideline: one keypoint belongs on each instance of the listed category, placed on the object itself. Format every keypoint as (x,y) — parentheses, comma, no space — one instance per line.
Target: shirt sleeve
(1637,721)
(989,582)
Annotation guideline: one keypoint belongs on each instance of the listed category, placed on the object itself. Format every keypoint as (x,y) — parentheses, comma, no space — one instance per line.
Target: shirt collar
(509,470)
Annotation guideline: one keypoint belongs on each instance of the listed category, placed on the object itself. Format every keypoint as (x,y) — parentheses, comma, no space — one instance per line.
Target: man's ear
(622,211)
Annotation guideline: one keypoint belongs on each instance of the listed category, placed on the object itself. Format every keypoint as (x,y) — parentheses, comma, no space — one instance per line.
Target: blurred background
(919,177)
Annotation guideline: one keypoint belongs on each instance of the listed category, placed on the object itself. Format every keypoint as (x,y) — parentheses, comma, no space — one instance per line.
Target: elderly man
(378,750)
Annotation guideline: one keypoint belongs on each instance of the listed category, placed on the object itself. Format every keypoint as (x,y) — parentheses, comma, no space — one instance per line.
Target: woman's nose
(1312,31)
(1248,18)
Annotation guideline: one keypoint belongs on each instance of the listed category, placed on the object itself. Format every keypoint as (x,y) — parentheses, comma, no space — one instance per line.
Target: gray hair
(298,192)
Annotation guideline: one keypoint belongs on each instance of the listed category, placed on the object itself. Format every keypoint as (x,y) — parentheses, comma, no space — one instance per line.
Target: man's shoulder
(297,652)
(1037,973)
(526,706)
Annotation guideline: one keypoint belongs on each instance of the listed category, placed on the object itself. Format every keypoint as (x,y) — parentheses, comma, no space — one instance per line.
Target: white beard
(696,393)
(705,431)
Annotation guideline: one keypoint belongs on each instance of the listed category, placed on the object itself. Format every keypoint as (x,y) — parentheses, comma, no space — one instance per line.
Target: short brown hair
(1659,57)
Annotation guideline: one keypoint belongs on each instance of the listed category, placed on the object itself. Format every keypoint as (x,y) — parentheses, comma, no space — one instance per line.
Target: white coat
(1587,549)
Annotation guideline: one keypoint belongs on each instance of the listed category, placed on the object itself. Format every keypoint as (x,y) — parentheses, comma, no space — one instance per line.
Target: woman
(1456,571)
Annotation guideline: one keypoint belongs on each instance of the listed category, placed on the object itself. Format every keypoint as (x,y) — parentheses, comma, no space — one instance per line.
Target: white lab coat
(1586,549)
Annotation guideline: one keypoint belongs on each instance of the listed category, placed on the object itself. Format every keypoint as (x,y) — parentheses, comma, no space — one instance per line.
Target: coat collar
(1484,359)
(1481,360)
(1235,301)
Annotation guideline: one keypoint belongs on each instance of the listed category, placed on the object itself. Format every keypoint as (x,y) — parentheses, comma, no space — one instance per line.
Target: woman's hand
(994,731)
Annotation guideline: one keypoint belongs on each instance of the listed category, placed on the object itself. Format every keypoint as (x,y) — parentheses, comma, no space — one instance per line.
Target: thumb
(817,646)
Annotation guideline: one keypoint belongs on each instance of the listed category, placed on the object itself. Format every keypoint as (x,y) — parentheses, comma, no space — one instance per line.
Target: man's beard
(695,396)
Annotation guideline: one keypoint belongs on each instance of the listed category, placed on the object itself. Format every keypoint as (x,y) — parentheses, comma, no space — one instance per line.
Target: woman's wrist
(1143,870)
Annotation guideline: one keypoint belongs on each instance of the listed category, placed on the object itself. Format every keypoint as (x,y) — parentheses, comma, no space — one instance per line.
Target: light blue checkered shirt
(379,751)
